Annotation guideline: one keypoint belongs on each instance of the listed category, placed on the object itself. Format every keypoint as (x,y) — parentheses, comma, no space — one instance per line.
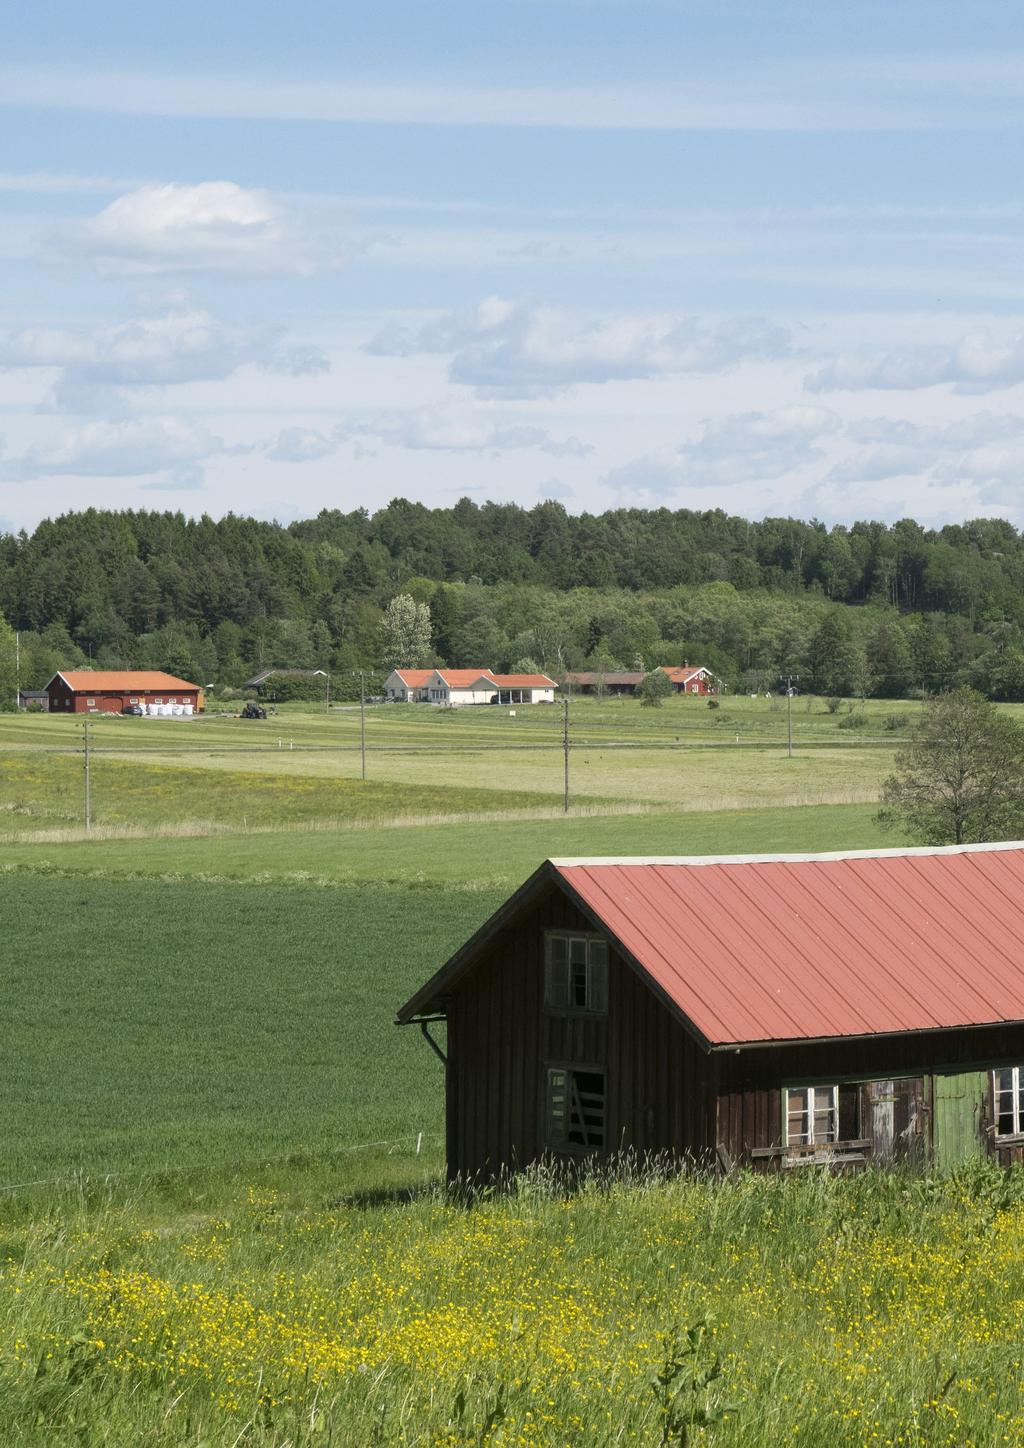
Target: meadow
(221,1218)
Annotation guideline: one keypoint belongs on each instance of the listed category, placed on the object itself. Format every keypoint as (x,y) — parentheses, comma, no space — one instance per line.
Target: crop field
(220,1214)
(298,769)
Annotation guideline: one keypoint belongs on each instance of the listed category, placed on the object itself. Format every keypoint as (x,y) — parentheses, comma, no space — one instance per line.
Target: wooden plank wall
(501,1040)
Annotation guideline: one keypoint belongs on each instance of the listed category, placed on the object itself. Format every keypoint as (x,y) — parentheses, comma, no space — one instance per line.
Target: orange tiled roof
(415,678)
(523,681)
(137,681)
(462,678)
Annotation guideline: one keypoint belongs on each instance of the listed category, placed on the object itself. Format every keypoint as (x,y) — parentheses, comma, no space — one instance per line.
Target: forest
(867,609)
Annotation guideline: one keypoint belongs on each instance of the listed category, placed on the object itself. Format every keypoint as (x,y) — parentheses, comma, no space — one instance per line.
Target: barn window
(576,973)
(1009,1101)
(576,1105)
(812,1115)
(90,703)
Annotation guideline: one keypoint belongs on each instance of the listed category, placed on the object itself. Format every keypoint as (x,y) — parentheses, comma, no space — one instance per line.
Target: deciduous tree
(960,780)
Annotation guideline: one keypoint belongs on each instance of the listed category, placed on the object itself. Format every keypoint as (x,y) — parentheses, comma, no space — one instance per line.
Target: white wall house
(408,686)
(468,686)
(460,686)
(524,689)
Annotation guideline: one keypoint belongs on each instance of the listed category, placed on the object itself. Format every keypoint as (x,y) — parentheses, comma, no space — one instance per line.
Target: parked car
(135,709)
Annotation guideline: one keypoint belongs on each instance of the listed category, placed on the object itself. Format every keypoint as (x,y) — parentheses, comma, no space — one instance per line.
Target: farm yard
(221,1214)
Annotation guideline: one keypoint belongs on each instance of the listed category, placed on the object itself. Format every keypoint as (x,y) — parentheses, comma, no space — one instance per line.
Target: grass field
(215,1228)
(214,772)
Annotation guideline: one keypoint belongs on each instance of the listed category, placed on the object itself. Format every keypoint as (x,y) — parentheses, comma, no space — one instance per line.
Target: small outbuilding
(769,1011)
(100,691)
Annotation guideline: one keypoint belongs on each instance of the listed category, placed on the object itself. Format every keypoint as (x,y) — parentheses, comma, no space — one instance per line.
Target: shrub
(714,704)
(833,705)
(853,721)
(896,721)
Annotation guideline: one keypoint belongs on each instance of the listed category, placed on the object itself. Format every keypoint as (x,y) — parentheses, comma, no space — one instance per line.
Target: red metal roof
(132,681)
(800,947)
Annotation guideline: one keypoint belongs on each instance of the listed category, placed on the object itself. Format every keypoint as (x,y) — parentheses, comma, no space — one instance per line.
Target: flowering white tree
(405,634)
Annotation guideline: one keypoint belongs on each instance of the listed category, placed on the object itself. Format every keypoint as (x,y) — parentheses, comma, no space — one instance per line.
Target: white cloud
(436,428)
(301,445)
(152,351)
(213,228)
(525,349)
(737,102)
(976,362)
(458,429)
(117,449)
(738,448)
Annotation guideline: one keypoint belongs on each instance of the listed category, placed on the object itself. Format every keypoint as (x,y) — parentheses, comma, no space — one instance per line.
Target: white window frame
(817,1101)
(1013,1090)
(575,973)
(90,703)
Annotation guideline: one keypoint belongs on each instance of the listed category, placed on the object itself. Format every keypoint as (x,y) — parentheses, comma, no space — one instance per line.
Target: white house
(524,689)
(408,686)
(460,686)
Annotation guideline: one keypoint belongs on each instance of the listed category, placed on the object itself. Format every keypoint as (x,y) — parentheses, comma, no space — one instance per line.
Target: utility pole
(88,794)
(788,679)
(327,696)
(565,755)
(17,670)
(362,720)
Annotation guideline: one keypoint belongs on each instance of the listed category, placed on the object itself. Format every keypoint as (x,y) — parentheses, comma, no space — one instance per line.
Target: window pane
(556,983)
(579,986)
(599,952)
(558,1105)
(577,950)
(797,1116)
(599,985)
(558,948)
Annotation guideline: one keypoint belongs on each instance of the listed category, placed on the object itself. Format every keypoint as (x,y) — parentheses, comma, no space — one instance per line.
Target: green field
(219,1205)
(215,773)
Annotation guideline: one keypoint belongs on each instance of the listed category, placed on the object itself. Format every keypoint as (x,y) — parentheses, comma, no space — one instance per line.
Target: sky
(271,259)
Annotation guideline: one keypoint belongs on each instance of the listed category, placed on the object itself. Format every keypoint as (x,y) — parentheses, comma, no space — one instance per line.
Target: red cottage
(772,1011)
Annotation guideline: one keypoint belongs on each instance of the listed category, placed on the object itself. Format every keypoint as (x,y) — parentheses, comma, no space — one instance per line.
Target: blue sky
(272,259)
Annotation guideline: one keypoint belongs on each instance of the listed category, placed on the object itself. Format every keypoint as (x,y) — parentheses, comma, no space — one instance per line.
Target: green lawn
(152,1024)
(465,854)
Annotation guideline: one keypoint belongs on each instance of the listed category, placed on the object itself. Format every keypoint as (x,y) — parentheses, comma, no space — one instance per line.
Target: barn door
(896,1119)
(959,1117)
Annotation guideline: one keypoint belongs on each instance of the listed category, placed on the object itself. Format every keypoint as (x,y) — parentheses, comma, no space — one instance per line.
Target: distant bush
(714,704)
(853,721)
(833,705)
(896,721)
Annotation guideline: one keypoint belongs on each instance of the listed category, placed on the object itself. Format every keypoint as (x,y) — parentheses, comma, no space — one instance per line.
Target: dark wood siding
(502,1040)
(664,1092)
(895,1076)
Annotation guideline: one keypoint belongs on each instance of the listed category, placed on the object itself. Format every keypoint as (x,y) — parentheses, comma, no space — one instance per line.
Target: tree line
(874,609)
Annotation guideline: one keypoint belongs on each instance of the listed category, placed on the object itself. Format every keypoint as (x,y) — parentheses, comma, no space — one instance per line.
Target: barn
(598,683)
(765,1011)
(88,691)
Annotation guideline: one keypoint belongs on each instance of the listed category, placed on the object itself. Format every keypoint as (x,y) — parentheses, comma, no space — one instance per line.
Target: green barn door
(959,1108)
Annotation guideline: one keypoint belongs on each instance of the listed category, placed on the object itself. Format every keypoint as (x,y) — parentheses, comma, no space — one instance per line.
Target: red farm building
(88,691)
(772,1011)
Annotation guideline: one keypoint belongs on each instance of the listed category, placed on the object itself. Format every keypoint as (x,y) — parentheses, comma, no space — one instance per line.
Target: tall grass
(882,1309)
